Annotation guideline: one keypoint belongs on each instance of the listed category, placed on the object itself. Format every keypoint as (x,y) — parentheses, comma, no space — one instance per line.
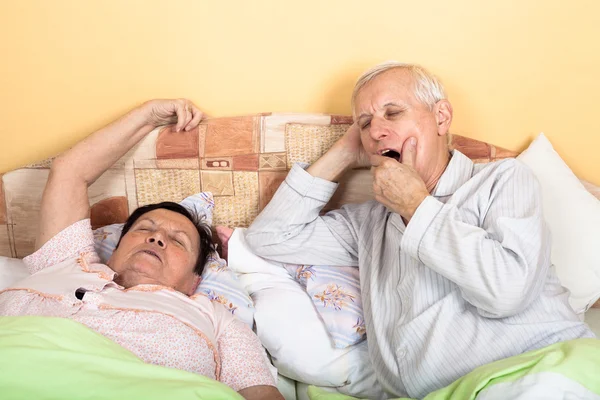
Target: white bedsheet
(592,318)
(287,387)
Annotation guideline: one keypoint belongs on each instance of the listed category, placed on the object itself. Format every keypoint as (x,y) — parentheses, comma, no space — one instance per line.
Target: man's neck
(440,168)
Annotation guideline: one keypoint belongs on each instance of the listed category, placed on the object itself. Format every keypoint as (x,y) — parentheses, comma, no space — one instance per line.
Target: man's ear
(443,116)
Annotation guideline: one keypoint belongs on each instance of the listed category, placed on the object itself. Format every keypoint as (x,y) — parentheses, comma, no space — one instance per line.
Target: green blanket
(54,358)
(564,370)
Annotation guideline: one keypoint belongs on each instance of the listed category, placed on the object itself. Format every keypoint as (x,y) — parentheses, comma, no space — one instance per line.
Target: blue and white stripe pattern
(467,282)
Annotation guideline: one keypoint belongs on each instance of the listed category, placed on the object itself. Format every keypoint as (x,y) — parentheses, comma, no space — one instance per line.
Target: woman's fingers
(188,116)
(181,111)
(196,118)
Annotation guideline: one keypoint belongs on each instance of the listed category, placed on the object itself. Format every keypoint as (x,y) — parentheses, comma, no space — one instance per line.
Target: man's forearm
(332,165)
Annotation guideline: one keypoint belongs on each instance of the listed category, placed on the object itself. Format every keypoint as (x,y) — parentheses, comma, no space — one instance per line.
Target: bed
(240,160)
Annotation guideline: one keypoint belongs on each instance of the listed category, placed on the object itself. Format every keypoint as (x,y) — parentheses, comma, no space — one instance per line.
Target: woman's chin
(139,276)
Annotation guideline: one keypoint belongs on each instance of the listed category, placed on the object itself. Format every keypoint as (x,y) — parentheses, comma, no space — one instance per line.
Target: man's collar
(458,171)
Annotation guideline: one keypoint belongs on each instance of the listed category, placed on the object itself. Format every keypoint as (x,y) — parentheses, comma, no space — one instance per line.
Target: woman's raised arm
(65,199)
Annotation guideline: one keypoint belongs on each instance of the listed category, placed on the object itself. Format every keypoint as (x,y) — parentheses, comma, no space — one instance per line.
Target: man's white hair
(427,87)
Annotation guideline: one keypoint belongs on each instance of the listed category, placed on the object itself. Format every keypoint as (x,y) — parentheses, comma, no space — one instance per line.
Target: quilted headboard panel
(241,160)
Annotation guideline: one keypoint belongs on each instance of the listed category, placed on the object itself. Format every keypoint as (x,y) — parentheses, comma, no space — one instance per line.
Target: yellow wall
(512,68)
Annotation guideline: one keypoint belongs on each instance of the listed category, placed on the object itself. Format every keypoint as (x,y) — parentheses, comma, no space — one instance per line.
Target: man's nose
(378,129)
(157,239)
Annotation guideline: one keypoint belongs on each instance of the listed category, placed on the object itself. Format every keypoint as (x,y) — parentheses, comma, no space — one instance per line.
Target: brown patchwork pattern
(242,160)
(480,151)
(217,163)
(231,136)
(341,120)
(201,139)
(220,183)
(2,203)
(23,193)
(307,143)
(241,209)
(269,181)
(6,248)
(248,162)
(156,185)
(174,163)
(109,211)
(171,144)
(272,161)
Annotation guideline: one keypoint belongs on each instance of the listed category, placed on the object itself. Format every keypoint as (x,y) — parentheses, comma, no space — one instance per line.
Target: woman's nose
(156,239)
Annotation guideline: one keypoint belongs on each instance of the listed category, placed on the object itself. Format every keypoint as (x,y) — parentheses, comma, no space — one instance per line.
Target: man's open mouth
(391,154)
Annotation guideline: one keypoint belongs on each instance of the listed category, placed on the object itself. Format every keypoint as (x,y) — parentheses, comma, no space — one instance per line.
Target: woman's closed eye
(179,241)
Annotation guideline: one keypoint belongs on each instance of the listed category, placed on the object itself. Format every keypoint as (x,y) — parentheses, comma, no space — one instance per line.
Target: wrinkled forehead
(170,220)
(393,86)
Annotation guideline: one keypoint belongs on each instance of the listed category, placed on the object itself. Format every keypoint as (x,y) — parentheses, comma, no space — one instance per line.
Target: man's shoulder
(499,175)
(506,167)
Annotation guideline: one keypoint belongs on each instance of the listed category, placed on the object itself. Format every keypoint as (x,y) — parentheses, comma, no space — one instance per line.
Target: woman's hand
(163,112)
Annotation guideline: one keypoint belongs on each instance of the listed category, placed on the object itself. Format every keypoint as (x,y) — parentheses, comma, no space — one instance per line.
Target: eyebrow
(363,115)
(141,219)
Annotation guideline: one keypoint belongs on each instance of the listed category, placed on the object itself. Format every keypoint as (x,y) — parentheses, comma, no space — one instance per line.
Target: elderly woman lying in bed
(141,299)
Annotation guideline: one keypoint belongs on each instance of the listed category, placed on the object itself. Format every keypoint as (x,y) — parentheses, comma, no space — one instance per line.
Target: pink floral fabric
(240,352)
(158,324)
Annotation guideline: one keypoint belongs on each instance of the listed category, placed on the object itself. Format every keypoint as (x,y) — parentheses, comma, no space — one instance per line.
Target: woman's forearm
(65,199)
(91,157)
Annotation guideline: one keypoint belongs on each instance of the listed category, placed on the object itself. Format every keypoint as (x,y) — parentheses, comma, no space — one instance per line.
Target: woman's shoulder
(74,241)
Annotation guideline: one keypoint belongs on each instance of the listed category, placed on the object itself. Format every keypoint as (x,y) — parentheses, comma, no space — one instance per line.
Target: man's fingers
(377,160)
(409,152)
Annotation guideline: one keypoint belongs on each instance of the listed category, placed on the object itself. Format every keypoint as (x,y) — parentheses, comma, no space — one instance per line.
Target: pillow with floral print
(335,292)
(219,283)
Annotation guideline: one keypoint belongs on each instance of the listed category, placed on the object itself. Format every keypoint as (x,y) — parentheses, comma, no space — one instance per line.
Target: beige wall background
(513,68)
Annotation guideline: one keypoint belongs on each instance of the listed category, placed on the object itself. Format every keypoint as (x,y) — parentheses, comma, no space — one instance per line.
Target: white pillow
(290,328)
(573,215)
(12,270)
(592,318)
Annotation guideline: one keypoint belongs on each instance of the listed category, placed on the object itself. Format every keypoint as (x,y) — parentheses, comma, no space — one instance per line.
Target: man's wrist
(332,165)
(410,211)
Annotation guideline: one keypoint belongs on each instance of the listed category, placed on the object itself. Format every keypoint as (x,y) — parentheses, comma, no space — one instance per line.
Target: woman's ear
(443,116)
(197,280)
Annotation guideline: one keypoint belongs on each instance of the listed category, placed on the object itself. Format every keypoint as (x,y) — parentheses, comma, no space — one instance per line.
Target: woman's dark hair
(206,244)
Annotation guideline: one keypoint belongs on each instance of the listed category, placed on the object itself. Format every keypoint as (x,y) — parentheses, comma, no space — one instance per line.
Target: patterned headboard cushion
(241,160)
